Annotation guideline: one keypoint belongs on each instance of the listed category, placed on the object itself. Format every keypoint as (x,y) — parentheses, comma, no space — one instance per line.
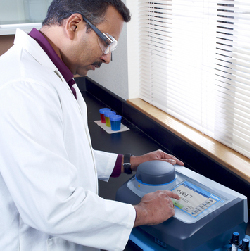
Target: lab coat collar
(33,48)
(49,50)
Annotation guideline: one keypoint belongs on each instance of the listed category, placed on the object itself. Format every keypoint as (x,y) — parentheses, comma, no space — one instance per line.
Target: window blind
(195,65)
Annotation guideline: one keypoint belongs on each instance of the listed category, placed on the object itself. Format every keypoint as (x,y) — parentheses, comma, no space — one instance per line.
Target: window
(195,65)
(24,14)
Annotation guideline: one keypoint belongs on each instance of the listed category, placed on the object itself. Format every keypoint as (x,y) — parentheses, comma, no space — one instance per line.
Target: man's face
(88,54)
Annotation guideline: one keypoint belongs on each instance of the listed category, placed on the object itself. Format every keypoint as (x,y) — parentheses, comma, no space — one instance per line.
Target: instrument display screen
(193,199)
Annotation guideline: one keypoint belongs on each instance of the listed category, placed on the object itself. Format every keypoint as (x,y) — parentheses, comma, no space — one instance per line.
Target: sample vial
(115,122)
(107,115)
(102,111)
(244,245)
(235,241)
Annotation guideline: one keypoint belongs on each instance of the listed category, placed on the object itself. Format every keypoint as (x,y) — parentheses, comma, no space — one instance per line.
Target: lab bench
(137,140)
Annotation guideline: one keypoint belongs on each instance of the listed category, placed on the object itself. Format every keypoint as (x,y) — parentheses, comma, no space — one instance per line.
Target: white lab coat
(48,169)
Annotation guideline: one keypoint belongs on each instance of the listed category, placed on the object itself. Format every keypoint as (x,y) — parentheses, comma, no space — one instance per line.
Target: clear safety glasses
(107,43)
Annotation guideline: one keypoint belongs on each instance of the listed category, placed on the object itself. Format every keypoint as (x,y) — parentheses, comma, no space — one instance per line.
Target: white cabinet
(24,14)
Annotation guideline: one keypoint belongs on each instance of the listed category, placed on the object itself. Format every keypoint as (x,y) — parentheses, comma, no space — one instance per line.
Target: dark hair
(93,10)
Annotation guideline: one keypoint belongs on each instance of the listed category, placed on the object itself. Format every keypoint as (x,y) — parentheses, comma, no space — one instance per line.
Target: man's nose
(106,58)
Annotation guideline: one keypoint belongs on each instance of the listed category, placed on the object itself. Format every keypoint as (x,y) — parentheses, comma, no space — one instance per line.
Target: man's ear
(72,24)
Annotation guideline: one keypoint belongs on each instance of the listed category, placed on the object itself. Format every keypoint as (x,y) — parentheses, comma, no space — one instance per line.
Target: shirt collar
(48,49)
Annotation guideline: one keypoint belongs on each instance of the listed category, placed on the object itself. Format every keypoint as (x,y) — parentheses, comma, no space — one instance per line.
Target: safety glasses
(107,43)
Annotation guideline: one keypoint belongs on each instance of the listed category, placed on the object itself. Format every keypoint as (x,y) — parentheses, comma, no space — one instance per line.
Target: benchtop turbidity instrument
(206,214)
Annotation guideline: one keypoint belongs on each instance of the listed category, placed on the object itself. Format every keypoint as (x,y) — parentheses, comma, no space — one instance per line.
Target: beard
(97,64)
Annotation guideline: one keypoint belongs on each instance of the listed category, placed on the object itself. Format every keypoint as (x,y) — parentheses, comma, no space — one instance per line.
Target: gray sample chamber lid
(152,174)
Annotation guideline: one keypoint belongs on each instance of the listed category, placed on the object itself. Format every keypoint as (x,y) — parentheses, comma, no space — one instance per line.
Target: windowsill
(10,29)
(232,160)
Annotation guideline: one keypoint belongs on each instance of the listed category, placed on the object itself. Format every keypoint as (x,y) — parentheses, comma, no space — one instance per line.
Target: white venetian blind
(195,65)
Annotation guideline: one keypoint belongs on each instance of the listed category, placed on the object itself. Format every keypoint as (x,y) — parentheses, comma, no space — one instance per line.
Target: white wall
(133,49)
(115,76)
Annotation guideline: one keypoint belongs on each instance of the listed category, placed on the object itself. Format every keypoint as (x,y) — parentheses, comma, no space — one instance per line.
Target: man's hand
(155,208)
(156,155)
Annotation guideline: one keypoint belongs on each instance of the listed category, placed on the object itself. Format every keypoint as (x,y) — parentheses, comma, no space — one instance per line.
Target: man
(48,169)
